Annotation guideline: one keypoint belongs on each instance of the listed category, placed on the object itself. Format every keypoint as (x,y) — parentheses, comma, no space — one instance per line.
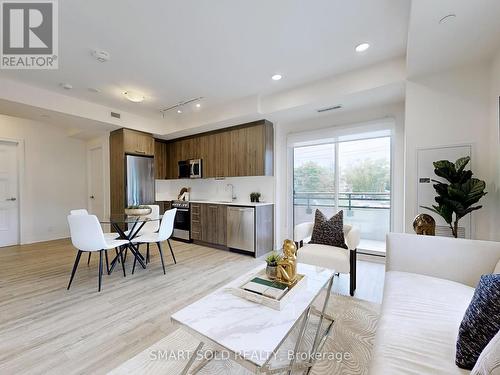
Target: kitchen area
(221,182)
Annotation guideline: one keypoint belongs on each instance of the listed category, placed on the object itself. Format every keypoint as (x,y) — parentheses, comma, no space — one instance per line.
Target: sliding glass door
(351,175)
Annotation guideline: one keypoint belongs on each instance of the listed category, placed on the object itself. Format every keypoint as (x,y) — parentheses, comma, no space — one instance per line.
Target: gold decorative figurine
(424,224)
(287,267)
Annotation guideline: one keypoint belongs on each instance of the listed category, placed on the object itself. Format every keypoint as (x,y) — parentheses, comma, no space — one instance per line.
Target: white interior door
(9,200)
(96,183)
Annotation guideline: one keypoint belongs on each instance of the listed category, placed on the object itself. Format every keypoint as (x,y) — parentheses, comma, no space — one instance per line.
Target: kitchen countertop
(236,203)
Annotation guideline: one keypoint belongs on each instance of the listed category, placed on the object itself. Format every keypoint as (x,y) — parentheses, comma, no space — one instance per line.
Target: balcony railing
(368,211)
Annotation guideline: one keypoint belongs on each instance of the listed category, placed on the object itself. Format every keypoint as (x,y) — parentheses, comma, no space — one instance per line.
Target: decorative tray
(275,303)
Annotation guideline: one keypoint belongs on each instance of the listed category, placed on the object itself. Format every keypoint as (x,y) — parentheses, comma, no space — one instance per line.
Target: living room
(233,188)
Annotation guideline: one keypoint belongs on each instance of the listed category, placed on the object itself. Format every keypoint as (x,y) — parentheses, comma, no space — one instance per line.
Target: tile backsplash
(212,189)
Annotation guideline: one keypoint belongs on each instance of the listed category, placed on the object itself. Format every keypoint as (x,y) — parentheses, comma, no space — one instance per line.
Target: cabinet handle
(140,152)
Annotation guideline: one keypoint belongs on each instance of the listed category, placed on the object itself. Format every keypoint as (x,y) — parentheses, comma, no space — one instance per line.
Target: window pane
(365,185)
(314,181)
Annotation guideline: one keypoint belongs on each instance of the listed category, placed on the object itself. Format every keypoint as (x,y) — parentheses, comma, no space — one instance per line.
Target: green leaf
(461,163)
(465,176)
(442,211)
(445,169)
(455,192)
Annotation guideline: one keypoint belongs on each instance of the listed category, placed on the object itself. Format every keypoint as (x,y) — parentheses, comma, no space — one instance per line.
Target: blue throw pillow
(481,321)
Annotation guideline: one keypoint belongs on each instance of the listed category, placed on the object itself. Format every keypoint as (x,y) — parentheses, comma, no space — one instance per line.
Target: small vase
(271,272)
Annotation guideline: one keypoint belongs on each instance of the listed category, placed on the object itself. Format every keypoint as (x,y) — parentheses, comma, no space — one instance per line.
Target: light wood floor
(46,329)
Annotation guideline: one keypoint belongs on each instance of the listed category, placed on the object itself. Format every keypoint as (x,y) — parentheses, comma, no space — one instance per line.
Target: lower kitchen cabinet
(213,223)
(196,221)
(209,225)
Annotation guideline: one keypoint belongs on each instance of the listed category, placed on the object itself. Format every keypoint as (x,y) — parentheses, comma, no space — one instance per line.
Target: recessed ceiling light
(362,47)
(179,110)
(134,96)
(198,105)
(448,17)
(66,86)
(276,77)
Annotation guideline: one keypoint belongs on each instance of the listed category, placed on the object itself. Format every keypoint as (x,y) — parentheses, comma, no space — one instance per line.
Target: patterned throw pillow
(481,321)
(329,231)
(489,360)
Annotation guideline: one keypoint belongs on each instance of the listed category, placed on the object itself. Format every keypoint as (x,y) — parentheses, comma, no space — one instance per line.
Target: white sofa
(429,284)
(339,259)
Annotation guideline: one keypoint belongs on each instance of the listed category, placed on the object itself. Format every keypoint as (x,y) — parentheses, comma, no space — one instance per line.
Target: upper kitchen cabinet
(251,151)
(161,159)
(243,150)
(139,143)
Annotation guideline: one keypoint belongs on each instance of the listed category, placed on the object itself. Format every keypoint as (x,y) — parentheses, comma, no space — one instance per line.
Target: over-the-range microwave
(190,168)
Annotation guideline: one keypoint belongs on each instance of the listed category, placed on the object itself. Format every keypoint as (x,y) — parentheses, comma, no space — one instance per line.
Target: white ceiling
(74,126)
(223,50)
(472,36)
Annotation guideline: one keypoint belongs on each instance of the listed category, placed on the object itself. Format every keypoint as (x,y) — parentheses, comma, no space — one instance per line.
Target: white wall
(213,189)
(495,145)
(283,155)
(450,108)
(103,143)
(54,177)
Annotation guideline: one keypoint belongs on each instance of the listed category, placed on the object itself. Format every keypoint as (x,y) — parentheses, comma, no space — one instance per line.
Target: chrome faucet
(233,196)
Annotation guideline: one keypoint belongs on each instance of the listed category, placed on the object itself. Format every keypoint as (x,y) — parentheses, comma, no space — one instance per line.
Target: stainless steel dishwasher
(241,228)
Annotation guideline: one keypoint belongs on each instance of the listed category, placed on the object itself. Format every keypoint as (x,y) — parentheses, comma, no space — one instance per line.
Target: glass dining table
(135,224)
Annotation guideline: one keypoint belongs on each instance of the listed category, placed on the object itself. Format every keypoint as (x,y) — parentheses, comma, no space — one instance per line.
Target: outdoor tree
(370,175)
(311,176)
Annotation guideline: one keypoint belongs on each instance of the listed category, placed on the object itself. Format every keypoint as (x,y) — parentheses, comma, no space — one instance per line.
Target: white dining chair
(107,236)
(163,234)
(87,236)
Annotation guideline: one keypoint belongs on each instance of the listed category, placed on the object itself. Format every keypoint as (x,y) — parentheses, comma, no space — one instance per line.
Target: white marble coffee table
(251,332)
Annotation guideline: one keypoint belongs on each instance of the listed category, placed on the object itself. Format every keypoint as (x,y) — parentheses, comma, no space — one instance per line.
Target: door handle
(11,199)
(92,197)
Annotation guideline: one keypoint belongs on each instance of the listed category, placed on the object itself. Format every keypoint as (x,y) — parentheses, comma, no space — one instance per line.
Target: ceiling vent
(115,115)
(326,109)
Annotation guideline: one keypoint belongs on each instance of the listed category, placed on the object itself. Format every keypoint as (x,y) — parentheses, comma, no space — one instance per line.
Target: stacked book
(266,287)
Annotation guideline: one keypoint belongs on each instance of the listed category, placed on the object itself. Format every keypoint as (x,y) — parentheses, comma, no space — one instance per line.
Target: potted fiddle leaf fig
(457,197)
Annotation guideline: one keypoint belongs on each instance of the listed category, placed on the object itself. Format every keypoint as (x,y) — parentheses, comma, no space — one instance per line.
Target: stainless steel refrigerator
(140,179)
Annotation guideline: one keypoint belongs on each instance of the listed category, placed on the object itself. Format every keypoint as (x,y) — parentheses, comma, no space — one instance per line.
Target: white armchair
(337,258)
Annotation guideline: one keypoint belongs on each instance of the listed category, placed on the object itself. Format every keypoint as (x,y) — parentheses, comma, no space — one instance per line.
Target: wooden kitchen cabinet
(243,150)
(196,233)
(138,143)
(223,154)
(161,160)
(173,157)
(209,226)
(213,224)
